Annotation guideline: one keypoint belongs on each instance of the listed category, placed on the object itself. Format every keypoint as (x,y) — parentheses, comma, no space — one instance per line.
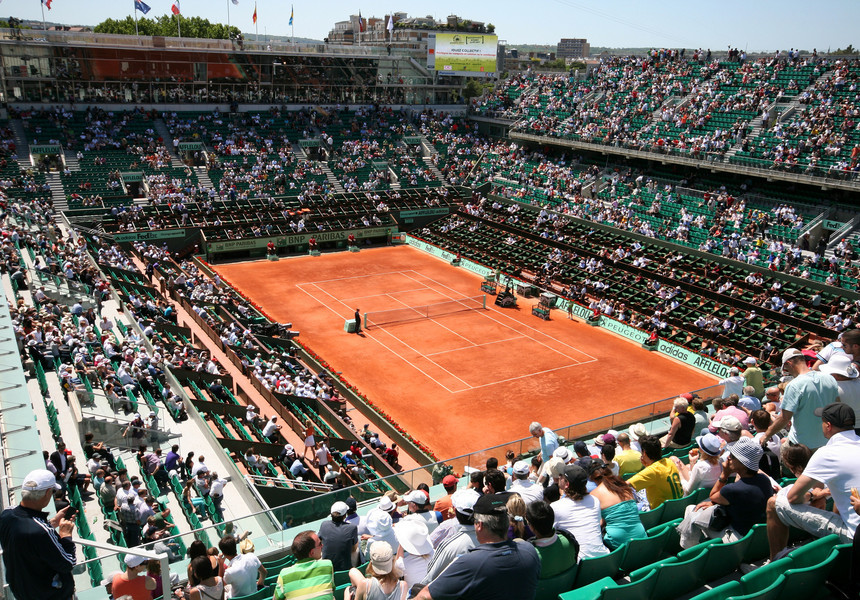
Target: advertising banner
(138,236)
(298,239)
(463,52)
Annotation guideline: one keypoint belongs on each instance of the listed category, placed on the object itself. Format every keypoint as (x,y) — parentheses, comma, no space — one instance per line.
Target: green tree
(843,51)
(165,25)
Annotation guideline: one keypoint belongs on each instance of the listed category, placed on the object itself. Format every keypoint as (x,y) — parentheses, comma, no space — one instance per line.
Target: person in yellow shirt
(659,476)
(629,461)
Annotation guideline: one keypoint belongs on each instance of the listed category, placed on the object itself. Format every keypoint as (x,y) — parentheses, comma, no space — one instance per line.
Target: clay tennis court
(462,381)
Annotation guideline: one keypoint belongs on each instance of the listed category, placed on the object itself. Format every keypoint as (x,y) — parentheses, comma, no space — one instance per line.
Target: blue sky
(758,25)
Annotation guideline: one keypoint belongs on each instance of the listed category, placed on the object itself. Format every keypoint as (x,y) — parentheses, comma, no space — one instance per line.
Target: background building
(573,48)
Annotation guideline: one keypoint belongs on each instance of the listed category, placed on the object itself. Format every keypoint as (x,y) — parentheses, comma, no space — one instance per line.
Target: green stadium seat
(675,578)
(807,582)
(608,589)
(652,517)
(594,569)
(642,551)
(263,594)
(549,589)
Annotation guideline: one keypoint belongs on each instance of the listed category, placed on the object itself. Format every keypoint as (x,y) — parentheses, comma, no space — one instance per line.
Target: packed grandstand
(702,205)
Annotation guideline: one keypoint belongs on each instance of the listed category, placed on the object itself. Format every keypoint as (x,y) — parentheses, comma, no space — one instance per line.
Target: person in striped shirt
(311,576)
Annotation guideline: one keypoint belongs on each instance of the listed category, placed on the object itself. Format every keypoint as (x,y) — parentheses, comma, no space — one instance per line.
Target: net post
(365,320)
(485,301)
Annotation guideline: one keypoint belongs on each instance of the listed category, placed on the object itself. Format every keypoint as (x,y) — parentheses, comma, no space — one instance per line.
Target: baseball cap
(750,360)
(729,423)
(134,561)
(416,496)
(606,438)
(595,464)
(381,557)
(837,414)
(339,509)
(581,448)
(490,504)
(555,467)
(521,467)
(575,475)
(789,354)
(748,452)
(463,501)
(449,480)
(40,479)
(351,503)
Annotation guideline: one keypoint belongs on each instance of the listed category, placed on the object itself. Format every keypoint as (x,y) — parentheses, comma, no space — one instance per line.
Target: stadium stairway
(329,175)
(22,147)
(164,132)
(58,192)
(202,177)
(428,162)
(71,160)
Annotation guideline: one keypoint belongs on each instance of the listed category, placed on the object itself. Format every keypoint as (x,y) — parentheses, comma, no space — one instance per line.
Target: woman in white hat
(415,552)
(383,579)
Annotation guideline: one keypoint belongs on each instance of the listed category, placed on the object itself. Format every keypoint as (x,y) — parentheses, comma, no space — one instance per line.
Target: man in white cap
(38,559)
(340,539)
(125,584)
(419,508)
(807,391)
(847,378)
(461,534)
(834,467)
(529,490)
(753,376)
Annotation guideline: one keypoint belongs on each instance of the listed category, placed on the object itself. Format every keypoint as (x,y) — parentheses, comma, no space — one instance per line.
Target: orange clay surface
(463,381)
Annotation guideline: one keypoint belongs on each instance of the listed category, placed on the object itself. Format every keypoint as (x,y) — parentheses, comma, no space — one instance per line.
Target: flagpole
(178,26)
(134,10)
(228,14)
(292,27)
(44,26)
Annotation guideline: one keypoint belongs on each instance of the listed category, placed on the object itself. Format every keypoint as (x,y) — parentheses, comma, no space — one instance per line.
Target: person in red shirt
(134,582)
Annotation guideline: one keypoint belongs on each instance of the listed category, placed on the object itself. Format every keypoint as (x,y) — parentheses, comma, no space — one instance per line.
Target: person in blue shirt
(548,439)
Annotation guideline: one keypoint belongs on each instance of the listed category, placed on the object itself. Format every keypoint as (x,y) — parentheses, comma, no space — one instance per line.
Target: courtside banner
(623,329)
(693,359)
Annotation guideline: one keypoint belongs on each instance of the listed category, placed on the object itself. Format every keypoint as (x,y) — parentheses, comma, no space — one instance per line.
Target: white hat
(464,500)
(637,430)
(749,360)
(416,496)
(413,536)
(386,504)
(132,560)
(521,467)
(562,453)
(840,364)
(339,509)
(378,522)
(40,479)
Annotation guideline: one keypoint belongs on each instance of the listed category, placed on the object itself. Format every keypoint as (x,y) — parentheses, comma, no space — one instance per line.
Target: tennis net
(428,311)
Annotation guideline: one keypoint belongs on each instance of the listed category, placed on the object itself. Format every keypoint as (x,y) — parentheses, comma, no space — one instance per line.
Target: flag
(141,6)
(291,16)
(175,7)
(360,22)
(254,18)
(390,26)
(47,3)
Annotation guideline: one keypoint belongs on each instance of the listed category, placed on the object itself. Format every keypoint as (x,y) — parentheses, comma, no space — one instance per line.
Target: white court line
(354,276)
(519,337)
(484,313)
(438,323)
(475,387)
(421,289)
(389,348)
